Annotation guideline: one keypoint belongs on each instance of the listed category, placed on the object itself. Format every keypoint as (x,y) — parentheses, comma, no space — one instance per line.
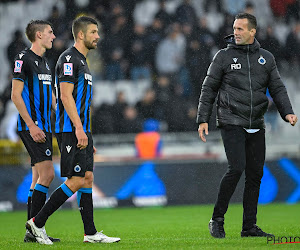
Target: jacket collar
(248,47)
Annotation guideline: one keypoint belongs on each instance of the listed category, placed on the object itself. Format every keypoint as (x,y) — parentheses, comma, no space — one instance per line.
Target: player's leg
(70,156)
(46,174)
(35,177)
(41,156)
(85,201)
(28,236)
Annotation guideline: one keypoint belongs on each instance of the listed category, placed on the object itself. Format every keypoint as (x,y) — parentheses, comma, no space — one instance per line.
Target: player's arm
(66,90)
(16,96)
(53,105)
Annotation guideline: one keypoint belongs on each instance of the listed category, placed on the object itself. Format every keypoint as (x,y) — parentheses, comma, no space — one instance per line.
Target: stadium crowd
(173,52)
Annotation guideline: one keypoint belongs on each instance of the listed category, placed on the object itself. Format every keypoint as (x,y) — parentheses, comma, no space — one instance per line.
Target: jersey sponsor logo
(37,63)
(21,55)
(77,168)
(44,77)
(261,60)
(68,69)
(68,57)
(18,66)
(89,78)
(68,147)
(48,152)
(235,65)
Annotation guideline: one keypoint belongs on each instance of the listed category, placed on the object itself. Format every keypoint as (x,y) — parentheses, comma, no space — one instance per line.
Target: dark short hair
(252,23)
(33,26)
(81,23)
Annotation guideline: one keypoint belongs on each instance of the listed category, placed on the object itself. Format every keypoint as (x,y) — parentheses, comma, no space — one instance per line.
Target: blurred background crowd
(167,44)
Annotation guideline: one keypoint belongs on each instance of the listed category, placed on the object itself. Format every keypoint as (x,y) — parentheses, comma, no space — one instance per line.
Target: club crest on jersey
(68,57)
(21,55)
(37,63)
(82,62)
(235,65)
(261,60)
(68,69)
(18,66)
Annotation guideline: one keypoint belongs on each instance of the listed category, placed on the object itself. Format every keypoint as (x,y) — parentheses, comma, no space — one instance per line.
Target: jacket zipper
(250,82)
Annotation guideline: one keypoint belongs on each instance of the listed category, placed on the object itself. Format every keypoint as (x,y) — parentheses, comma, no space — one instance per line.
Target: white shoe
(99,237)
(39,233)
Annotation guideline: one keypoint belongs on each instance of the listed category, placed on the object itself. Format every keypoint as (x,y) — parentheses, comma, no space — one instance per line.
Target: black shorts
(73,161)
(38,151)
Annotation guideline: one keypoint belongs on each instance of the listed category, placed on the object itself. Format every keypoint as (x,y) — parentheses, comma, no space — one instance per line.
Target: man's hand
(203,126)
(37,134)
(292,119)
(81,138)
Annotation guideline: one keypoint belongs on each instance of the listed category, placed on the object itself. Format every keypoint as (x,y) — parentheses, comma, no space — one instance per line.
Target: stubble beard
(89,45)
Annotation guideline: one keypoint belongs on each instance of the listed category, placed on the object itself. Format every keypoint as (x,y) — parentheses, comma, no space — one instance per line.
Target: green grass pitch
(174,227)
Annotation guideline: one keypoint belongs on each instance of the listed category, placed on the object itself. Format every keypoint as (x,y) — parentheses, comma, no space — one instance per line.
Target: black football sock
(29,204)
(38,199)
(85,204)
(57,198)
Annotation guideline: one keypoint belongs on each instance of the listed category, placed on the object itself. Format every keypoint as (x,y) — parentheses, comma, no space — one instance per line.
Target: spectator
(177,111)
(163,15)
(138,55)
(224,30)
(5,96)
(292,11)
(249,8)
(112,49)
(269,42)
(197,56)
(118,110)
(57,20)
(154,36)
(233,7)
(293,45)
(147,107)
(15,46)
(102,120)
(191,115)
(131,122)
(185,13)
(164,94)
(280,7)
(170,54)
(217,3)
(8,125)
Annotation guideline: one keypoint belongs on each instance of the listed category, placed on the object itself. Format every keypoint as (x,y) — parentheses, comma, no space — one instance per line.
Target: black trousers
(244,151)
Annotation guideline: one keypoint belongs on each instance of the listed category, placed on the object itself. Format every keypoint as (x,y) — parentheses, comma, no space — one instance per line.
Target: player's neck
(81,48)
(38,50)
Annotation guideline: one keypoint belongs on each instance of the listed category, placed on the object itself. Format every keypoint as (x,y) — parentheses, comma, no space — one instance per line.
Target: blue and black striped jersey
(72,67)
(34,71)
